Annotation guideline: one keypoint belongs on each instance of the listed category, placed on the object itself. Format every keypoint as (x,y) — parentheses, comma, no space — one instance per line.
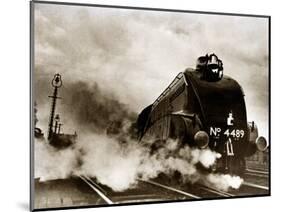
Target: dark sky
(134,55)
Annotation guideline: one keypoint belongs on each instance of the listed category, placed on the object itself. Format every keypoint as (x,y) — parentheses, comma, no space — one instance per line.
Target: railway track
(161,193)
(257,173)
(196,192)
(83,190)
(96,188)
(161,190)
(257,179)
(157,192)
(253,185)
(216,191)
(173,189)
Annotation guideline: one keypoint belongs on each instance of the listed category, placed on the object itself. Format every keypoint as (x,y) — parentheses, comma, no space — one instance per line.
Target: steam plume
(120,165)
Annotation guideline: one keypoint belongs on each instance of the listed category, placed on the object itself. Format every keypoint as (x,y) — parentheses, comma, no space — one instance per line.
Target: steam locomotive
(203,108)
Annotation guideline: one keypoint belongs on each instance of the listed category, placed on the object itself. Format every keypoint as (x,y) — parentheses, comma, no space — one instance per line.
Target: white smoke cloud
(50,163)
(223,181)
(205,157)
(120,165)
(111,163)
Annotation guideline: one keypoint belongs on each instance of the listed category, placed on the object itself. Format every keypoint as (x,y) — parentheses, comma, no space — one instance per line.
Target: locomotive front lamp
(261,143)
(201,138)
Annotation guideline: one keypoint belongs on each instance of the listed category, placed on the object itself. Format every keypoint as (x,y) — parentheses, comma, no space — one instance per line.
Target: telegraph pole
(56,83)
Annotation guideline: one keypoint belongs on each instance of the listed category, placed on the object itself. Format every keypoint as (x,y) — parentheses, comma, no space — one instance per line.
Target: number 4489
(234,133)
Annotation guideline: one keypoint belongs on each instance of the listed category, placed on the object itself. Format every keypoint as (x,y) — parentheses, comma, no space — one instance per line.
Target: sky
(133,55)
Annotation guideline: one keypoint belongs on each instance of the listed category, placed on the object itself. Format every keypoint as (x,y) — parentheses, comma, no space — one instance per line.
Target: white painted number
(226,133)
(234,133)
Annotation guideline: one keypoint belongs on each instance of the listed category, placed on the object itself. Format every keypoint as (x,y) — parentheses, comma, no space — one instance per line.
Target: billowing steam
(120,165)
(223,181)
(94,109)
(52,164)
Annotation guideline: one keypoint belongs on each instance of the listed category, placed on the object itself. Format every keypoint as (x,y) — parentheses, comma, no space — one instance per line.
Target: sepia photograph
(141,105)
